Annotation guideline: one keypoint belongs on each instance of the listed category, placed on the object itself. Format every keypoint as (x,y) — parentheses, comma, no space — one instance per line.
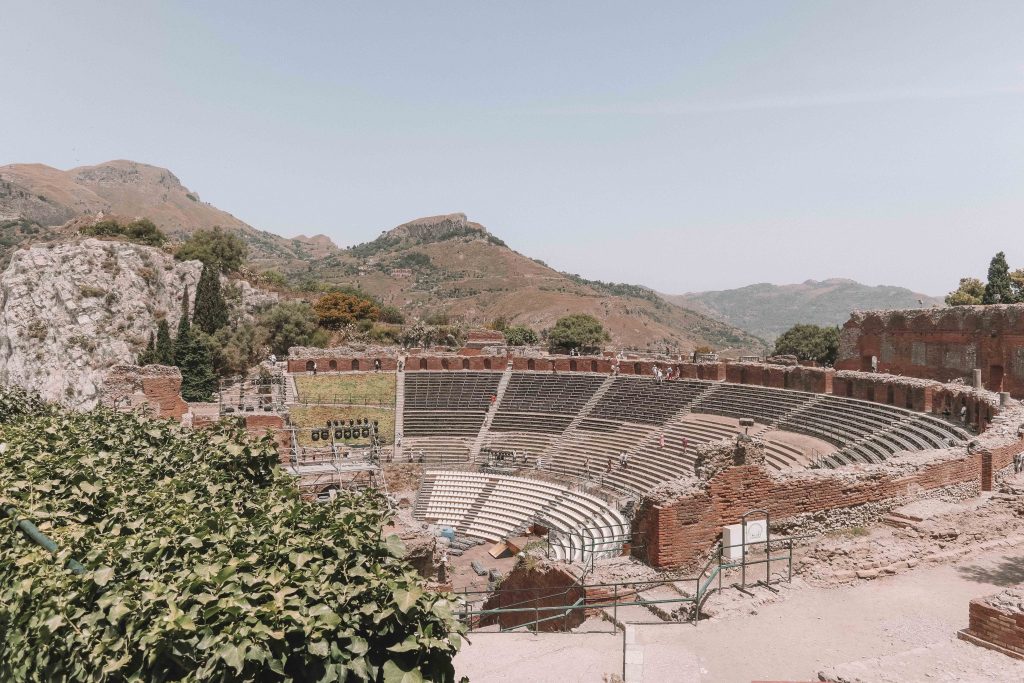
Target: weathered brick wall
(259,424)
(337,363)
(998,620)
(546,587)
(158,386)
(677,530)
(940,344)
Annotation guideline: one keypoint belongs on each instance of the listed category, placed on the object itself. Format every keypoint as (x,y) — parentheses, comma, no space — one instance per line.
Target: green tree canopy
(211,310)
(520,335)
(580,331)
(202,563)
(218,248)
(291,323)
(999,289)
(969,293)
(335,310)
(809,342)
(236,348)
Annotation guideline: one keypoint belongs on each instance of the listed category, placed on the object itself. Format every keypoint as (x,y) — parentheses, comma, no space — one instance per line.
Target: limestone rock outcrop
(70,311)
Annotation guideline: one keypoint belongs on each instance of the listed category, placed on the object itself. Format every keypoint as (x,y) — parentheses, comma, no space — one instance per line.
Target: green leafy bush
(217,248)
(202,563)
(141,231)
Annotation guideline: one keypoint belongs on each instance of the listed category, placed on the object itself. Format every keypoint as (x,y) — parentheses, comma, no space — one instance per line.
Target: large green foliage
(211,310)
(291,323)
(203,564)
(969,293)
(809,342)
(216,248)
(582,332)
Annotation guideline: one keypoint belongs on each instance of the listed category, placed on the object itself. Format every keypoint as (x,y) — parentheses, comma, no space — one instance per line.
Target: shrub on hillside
(201,562)
(216,248)
(141,231)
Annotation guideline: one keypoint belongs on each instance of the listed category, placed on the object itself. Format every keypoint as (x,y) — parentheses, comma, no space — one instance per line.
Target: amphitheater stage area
(898,629)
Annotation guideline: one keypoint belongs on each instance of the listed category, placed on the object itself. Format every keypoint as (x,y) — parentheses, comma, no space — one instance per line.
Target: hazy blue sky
(681,145)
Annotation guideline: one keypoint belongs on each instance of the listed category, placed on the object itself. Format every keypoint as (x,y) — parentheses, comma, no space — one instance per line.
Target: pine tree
(211,310)
(999,289)
(164,344)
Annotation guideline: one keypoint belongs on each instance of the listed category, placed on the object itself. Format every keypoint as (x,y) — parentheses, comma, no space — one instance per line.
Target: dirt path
(909,620)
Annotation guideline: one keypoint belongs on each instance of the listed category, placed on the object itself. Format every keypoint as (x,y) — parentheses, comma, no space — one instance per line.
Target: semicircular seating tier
(494,507)
(580,423)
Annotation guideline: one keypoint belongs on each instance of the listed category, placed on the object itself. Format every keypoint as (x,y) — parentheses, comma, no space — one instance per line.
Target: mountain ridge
(767,310)
(440,266)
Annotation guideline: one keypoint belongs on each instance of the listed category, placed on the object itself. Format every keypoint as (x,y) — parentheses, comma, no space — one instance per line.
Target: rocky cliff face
(70,311)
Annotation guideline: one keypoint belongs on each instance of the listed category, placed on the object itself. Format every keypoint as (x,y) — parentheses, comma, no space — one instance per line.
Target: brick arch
(310,365)
(355,363)
(332,365)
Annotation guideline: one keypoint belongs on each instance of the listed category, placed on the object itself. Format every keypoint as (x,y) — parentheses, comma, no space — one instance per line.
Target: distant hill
(430,266)
(451,265)
(35,199)
(767,310)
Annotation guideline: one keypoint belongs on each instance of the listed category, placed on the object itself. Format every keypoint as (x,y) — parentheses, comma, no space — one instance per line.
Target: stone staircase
(559,443)
(423,496)
(291,394)
(399,413)
(481,437)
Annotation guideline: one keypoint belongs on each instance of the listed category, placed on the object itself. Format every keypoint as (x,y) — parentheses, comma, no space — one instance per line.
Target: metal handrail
(39,538)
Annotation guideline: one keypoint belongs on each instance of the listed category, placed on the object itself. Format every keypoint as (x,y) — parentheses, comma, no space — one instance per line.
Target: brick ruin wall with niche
(942,344)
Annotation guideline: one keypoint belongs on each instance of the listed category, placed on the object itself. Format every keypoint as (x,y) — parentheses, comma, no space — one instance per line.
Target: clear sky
(681,145)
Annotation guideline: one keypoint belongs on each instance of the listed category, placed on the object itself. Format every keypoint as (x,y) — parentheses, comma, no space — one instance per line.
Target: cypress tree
(183,324)
(999,289)
(148,357)
(193,357)
(164,344)
(211,310)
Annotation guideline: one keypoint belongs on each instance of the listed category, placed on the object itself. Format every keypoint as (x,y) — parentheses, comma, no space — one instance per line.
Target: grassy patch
(367,388)
(307,417)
